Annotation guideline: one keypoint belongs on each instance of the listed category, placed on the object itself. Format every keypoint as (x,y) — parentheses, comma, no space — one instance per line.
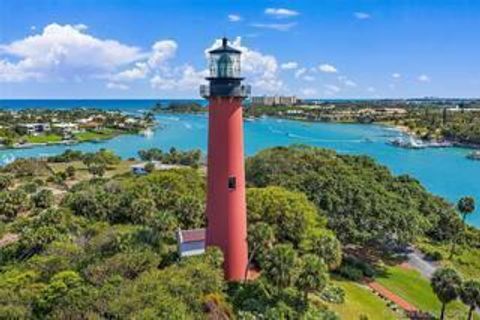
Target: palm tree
(260,236)
(446,283)
(313,275)
(470,295)
(327,247)
(280,265)
(465,206)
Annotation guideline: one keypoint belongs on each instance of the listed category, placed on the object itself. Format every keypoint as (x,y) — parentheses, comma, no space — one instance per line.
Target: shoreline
(454,143)
(66,142)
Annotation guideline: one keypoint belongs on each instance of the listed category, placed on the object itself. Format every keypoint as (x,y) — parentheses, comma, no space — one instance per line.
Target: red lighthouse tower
(226,207)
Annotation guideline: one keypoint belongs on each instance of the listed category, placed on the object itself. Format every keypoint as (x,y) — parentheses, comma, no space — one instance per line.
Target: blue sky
(318,48)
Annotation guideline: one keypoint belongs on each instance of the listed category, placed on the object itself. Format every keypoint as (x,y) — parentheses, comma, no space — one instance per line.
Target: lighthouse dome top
(224,48)
(224,62)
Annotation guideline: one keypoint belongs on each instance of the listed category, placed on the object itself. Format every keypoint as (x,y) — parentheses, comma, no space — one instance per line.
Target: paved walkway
(416,260)
(389,295)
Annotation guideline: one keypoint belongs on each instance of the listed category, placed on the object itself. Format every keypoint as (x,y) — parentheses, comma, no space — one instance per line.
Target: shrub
(43,199)
(30,187)
(434,255)
(350,272)
(333,294)
(6,181)
(70,171)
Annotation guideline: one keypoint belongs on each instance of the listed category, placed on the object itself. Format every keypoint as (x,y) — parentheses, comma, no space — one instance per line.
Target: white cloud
(396,75)
(139,71)
(308,78)
(281,12)
(371,89)
(327,68)
(309,92)
(331,89)
(362,15)
(423,78)
(274,26)
(347,82)
(185,79)
(350,83)
(161,52)
(80,27)
(64,52)
(234,18)
(289,65)
(117,86)
(300,72)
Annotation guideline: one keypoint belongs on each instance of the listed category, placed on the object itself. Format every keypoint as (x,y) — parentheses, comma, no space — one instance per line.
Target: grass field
(359,300)
(44,138)
(413,287)
(82,171)
(96,135)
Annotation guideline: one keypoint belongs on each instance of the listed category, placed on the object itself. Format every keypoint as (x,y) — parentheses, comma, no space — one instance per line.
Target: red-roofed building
(191,242)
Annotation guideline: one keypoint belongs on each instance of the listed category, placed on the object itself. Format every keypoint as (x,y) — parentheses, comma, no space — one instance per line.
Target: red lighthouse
(226,207)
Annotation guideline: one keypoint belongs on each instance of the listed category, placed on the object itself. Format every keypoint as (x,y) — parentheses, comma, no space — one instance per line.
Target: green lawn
(413,287)
(359,300)
(466,260)
(82,171)
(96,135)
(44,138)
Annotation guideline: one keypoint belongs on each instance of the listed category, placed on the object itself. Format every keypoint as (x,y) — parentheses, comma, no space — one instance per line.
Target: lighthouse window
(232,183)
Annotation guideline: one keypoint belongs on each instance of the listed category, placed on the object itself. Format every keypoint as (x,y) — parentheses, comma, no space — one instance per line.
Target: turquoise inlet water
(445,172)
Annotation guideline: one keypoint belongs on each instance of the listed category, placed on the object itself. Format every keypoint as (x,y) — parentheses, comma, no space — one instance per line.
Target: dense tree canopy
(363,201)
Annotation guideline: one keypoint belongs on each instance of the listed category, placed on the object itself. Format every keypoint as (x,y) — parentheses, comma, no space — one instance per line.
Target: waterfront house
(191,242)
(33,128)
(139,168)
(65,128)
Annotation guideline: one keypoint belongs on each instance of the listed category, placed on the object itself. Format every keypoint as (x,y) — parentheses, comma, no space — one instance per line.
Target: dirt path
(7,239)
(389,295)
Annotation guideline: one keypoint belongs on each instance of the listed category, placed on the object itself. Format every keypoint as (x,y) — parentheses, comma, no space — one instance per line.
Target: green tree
(43,199)
(6,181)
(260,238)
(289,213)
(363,201)
(149,167)
(12,203)
(446,283)
(66,296)
(70,171)
(328,248)
(470,296)
(313,276)
(97,170)
(280,265)
(465,206)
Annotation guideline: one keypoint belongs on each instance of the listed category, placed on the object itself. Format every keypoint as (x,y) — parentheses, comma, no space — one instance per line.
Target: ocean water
(445,172)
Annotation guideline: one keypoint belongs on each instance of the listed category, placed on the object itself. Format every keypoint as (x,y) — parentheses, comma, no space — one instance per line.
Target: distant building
(191,242)
(33,128)
(274,101)
(66,128)
(139,168)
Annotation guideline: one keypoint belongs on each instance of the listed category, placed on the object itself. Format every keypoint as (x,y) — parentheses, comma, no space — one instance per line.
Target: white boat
(147,133)
(475,155)
(412,143)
